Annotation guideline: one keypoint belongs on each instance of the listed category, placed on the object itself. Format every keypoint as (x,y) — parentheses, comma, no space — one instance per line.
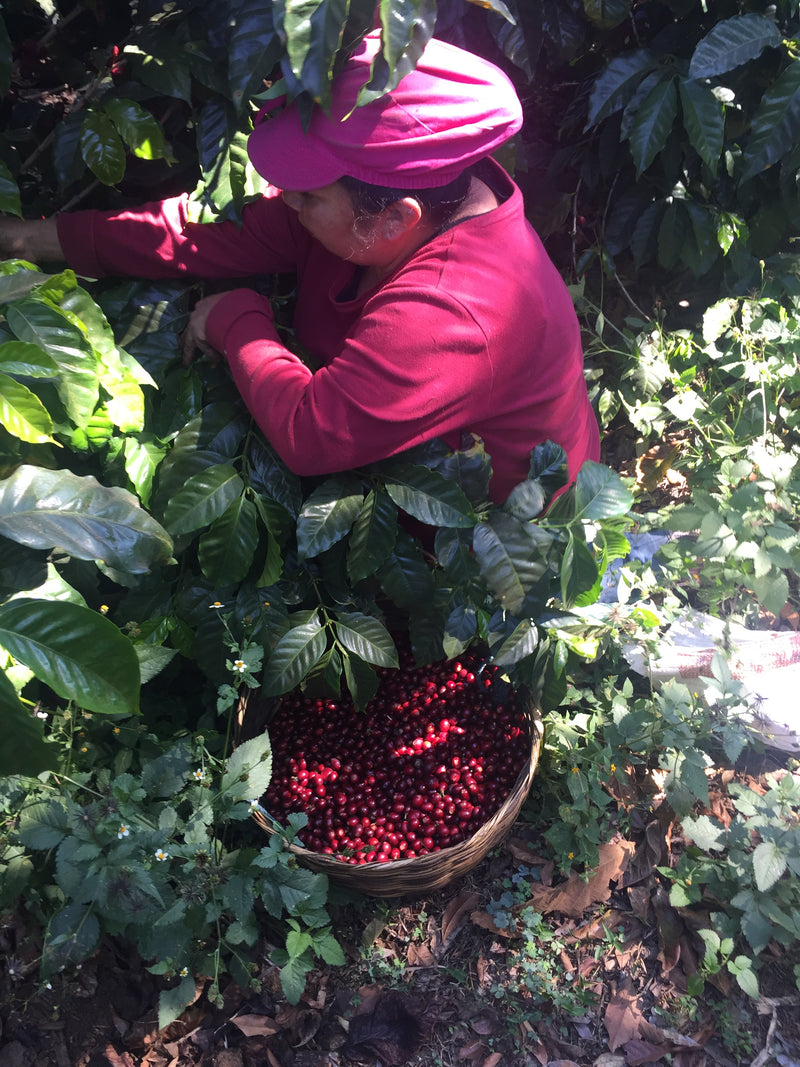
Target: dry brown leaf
(650,852)
(670,929)
(485,1023)
(486,922)
(638,1052)
(420,956)
(482,969)
(474,1051)
(256,1025)
(493,1060)
(575,895)
(622,1015)
(455,915)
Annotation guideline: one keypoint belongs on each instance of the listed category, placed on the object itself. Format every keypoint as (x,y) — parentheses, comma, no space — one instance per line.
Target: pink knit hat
(451,110)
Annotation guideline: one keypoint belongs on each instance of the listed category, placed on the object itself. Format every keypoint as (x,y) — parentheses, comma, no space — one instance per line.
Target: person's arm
(387,389)
(33,239)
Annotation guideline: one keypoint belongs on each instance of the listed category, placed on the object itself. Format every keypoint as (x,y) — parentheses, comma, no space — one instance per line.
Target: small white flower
(215,605)
(254,805)
(124,831)
(183,972)
(198,774)
(239,665)
(161,855)
(41,714)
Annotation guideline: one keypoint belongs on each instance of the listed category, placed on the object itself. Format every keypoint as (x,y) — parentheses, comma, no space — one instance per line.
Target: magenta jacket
(476,332)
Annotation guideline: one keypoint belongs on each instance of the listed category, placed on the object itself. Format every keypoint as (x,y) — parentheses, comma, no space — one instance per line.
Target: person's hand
(194,336)
(31,239)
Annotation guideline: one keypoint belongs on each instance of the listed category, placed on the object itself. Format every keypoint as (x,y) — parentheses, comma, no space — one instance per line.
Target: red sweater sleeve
(157,240)
(388,387)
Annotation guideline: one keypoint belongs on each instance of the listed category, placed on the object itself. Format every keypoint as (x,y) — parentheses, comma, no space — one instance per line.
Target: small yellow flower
(266,603)
(688,881)
(116,729)
(104,609)
(84,749)
(124,831)
(575,770)
(570,855)
(613,767)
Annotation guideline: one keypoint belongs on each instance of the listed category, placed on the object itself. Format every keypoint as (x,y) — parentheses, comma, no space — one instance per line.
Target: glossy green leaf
(226,551)
(367,637)
(19,284)
(328,515)
(579,572)
(78,653)
(294,656)
(10,203)
(43,509)
(606,14)
(28,360)
(600,493)
(460,628)
(563,27)
(373,536)
(732,42)
(525,501)
(102,148)
(203,499)
(704,121)
(142,458)
(453,549)
(522,642)
(614,86)
(166,70)
(428,496)
(138,128)
(508,558)
(222,144)
(22,413)
(406,27)
(24,749)
(313,30)
(78,380)
(775,128)
(405,576)
(362,681)
(653,124)
(254,48)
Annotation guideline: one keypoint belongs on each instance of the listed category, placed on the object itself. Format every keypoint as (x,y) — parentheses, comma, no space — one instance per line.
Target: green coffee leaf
(254,48)
(406,27)
(775,128)
(428,496)
(520,643)
(704,121)
(29,360)
(509,559)
(614,87)
(373,535)
(79,653)
(328,515)
(138,128)
(367,637)
(297,652)
(226,550)
(23,414)
(25,750)
(362,681)
(205,497)
(606,14)
(653,124)
(313,37)
(732,42)
(47,509)
(78,381)
(102,148)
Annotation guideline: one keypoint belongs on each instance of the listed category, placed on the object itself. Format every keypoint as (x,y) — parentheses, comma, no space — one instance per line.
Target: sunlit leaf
(24,750)
(367,637)
(77,652)
(43,509)
(428,496)
(138,128)
(328,514)
(22,413)
(294,656)
(102,148)
(204,498)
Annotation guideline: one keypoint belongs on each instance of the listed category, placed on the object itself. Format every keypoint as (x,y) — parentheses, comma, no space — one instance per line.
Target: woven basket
(433,871)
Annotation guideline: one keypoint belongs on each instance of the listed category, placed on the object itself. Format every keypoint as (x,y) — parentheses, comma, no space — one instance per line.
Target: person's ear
(400,218)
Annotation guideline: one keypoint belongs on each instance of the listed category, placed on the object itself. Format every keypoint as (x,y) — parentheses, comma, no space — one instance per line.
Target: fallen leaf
(493,1060)
(638,1052)
(650,852)
(455,915)
(485,1023)
(475,1050)
(575,895)
(390,1029)
(256,1025)
(670,929)
(420,956)
(622,1015)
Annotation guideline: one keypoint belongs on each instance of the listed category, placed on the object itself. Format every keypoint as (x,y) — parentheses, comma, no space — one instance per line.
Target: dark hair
(438,204)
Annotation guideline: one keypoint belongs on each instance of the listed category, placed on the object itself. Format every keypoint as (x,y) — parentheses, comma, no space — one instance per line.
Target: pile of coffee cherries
(424,767)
